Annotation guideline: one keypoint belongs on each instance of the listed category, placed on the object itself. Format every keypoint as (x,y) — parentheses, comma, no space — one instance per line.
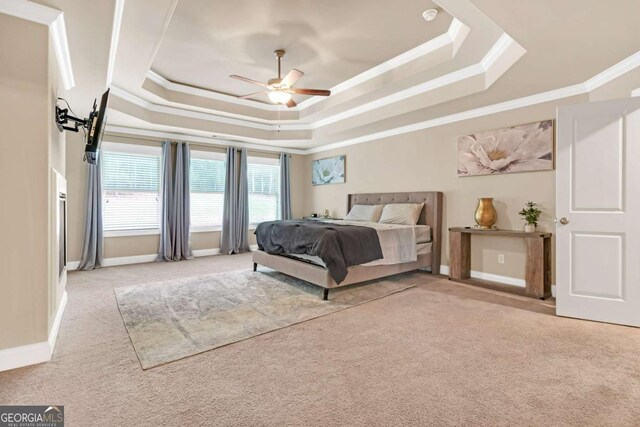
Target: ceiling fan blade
(291,103)
(255,82)
(291,78)
(251,95)
(315,92)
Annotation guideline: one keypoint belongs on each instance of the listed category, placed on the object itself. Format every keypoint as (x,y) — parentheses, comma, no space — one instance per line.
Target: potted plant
(530,213)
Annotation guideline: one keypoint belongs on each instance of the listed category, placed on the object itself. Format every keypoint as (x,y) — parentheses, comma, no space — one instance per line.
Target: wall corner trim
(53,334)
(32,354)
(54,19)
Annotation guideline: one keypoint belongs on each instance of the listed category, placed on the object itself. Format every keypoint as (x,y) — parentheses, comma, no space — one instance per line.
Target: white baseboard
(141,259)
(126,260)
(25,355)
(32,354)
(206,252)
(444,269)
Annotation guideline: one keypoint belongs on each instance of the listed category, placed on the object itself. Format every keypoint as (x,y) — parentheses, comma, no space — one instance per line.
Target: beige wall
(25,116)
(426,161)
(76,173)
(127,246)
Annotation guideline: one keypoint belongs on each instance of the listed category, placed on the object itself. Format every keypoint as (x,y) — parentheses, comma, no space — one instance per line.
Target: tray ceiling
(489,58)
(330,41)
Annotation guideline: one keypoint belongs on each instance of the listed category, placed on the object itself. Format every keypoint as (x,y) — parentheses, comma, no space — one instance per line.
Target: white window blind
(130,187)
(206,181)
(263,176)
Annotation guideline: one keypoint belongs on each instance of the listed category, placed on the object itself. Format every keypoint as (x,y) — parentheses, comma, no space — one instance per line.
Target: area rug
(168,321)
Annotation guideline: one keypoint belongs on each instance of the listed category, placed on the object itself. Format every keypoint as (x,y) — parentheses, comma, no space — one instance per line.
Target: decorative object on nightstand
(325,213)
(486,215)
(530,213)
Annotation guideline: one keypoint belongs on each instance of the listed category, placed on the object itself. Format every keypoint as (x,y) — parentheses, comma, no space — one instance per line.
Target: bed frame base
(319,276)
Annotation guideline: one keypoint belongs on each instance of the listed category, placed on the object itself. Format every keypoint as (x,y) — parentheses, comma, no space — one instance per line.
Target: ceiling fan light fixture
(279,97)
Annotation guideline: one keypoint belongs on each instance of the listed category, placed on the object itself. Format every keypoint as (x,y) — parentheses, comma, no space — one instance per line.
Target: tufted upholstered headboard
(431,214)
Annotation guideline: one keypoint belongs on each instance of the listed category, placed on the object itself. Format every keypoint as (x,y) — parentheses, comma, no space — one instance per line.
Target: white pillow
(401,213)
(370,213)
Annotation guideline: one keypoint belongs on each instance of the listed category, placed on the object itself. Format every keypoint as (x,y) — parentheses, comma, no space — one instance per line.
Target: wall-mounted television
(93,126)
(95,129)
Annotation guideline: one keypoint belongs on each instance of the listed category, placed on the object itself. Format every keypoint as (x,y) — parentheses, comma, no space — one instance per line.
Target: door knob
(564,221)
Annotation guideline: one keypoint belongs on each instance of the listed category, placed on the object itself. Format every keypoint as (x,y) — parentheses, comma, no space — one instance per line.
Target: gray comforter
(339,246)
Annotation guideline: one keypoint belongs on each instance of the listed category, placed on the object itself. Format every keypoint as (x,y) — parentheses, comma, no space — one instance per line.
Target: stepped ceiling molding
(390,72)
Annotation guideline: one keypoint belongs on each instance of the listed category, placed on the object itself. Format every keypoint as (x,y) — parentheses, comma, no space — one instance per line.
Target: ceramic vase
(486,215)
(529,228)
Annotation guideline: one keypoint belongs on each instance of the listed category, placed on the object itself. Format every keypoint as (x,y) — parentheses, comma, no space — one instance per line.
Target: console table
(538,266)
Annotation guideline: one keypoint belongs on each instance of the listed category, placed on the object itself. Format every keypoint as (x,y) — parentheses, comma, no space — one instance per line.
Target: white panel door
(598,211)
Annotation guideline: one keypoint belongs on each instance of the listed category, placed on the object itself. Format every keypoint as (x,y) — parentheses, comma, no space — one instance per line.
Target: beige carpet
(437,354)
(174,319)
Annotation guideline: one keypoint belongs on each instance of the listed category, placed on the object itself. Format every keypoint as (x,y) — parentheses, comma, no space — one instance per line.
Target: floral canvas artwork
(328,171)
(522,148)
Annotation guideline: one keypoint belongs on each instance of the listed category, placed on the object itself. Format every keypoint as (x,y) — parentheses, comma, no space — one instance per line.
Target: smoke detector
(430,14)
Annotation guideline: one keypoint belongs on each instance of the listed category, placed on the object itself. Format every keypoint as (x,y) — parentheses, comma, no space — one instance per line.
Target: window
(130,187)
(263,176)
(206,182)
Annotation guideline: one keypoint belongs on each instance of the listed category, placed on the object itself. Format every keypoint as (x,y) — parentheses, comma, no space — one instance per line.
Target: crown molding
(204,93)
(115,36)
(165,24)
(456,117)
(505,48)
(159,108)
(168,85)
(224,141)
(455,35)
(613,72)
(58,32)
(52,18)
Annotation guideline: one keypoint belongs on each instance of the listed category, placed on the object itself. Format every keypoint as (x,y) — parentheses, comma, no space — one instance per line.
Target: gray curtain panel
(92,245)
(235,220)
(175,219)
(285,186)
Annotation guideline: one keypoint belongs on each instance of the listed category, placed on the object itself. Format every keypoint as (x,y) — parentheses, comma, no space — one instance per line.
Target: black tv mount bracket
(63,118)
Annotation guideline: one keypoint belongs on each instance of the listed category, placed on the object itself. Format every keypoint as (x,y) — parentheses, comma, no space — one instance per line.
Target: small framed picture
(328,171)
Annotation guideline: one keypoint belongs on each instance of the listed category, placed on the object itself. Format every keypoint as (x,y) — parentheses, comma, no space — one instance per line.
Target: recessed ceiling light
(430,14)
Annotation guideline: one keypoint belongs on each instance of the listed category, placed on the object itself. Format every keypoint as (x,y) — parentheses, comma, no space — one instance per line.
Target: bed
(427,257)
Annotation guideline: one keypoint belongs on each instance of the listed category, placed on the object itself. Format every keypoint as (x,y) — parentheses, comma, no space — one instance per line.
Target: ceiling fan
(280,90)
